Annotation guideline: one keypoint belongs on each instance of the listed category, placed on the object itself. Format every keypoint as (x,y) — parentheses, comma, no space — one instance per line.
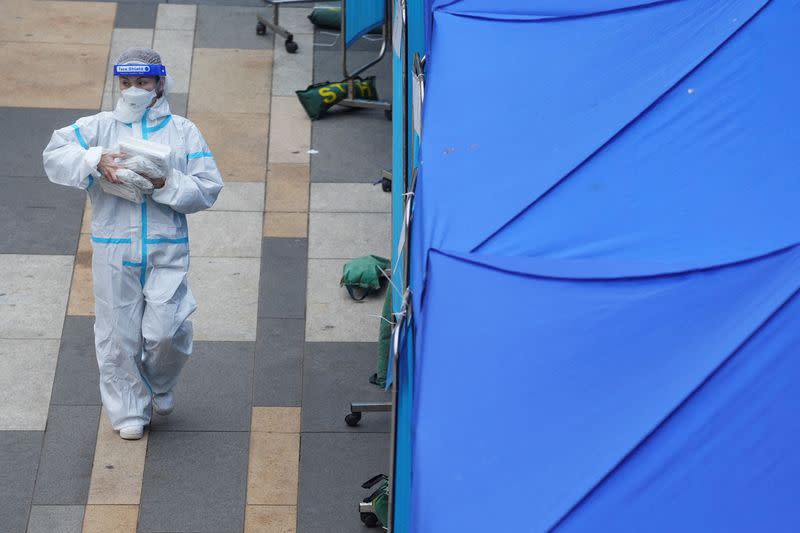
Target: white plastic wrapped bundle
(156,152)
(133,186)
(142,166)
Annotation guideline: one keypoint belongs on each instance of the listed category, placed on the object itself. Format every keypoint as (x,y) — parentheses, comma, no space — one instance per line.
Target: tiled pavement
(257,442)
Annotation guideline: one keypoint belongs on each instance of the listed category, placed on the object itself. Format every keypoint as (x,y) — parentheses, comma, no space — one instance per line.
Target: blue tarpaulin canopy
(605,265)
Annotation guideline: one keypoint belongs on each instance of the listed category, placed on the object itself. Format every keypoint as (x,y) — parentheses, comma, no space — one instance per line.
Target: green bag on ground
(318,98)
(326,17)
(330,18)
(363,275)
(384,342)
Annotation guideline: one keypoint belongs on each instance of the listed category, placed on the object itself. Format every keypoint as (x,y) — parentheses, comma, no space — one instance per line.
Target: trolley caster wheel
(291,46)
(261,28)
(352,419)
(388,114)
(386,184)
(370,520)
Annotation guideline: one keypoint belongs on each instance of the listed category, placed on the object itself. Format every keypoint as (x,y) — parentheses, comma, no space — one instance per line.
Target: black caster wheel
(386,184)
(388,114)
(291,46)
(370,520)
(261,29)
(352,419)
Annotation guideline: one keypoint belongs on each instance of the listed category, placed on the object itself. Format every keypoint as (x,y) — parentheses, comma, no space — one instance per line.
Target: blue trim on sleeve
(91,181)
(131,264)
(198,155)
(79,136)
(104,240)
(179,240)
(129,124)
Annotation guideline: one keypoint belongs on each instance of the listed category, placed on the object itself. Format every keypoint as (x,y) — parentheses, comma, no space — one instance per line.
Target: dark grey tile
(136,15)
(65,468)
(19,458)
(56,519)
(223,26)
(282,291)
(335,374)
(77,376)
(332,468)
(229,3)
(178,103)
(278,378)
(327,40)
(39,217)
(353,144)
(194,482)
(21,153)
(215,390)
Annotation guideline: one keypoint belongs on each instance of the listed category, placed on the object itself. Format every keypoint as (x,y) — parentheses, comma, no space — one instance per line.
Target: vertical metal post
(404,184)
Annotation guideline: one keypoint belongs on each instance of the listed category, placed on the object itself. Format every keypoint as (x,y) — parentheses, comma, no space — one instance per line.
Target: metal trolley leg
(356,408)
(275,27)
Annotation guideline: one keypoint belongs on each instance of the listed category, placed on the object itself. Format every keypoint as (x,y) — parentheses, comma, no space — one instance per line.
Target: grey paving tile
(277,379)
(331,235)
(34,286)
(39,217)
(229,3)
(229,26)
(332,468)
(27,368)
(293,72)
(335,374)
(19,458)
(194,482)
(226,289)
(214,391)
(178,103)
(176,17)
(282,293)
(136,15)
(56,519)
(76,381)
(21,153)
(65,468)
(349,198)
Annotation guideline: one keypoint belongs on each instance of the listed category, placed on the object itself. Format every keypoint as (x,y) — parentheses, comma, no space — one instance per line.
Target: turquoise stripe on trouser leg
(119,307)
(165,326)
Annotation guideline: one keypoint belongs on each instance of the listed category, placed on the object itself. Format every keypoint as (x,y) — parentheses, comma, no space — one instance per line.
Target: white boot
(163,404)
(132,432)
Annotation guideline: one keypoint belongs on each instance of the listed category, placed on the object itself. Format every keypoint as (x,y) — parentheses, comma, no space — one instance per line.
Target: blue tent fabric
(361,17)
(619,238)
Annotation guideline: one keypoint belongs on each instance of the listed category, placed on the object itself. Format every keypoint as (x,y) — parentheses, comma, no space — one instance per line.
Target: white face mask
(132,104)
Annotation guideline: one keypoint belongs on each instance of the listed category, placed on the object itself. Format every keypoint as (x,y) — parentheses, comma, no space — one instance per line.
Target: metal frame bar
(274,24)
(351,100)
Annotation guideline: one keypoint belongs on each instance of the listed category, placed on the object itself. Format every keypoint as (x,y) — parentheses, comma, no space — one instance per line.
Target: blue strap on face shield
(140,70)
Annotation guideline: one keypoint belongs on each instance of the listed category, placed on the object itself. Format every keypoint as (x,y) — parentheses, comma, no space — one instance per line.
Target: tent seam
(630,454)
(622,130)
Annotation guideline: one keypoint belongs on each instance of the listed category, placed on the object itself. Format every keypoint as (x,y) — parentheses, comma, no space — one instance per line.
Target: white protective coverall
(141,254)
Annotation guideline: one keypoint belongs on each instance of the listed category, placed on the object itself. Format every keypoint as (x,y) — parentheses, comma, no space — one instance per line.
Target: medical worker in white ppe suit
(141,250)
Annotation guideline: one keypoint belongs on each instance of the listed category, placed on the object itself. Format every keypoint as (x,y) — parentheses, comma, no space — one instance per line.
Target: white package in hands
(156,152)
(143,166)
(133,186)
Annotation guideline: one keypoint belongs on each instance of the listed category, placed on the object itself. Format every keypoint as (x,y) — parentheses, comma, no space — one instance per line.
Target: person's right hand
(107,166)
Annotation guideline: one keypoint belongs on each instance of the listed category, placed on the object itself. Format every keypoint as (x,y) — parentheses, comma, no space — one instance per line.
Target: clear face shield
(137,86)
